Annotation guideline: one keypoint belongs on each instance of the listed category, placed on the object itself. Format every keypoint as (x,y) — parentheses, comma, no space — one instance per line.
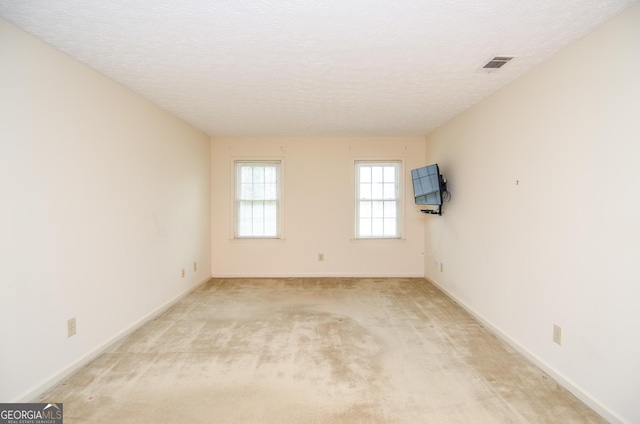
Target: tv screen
(426,185)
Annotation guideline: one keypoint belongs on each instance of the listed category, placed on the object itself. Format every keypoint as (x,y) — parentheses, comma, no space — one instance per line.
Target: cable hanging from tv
(430,188)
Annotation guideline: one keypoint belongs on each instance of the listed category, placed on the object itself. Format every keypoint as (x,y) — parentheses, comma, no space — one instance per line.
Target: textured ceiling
(323,68)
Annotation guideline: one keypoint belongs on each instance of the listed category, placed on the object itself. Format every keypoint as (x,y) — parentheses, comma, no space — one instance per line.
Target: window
(257,199)
(378,199)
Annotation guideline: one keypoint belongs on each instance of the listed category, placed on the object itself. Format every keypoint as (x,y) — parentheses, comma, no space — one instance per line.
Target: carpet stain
(316,350)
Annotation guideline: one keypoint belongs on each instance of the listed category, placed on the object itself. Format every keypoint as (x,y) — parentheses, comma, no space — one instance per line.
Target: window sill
(257,239)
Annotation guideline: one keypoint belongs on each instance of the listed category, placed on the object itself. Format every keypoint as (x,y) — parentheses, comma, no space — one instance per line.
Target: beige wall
(105,198)
(543,226)
(318,210)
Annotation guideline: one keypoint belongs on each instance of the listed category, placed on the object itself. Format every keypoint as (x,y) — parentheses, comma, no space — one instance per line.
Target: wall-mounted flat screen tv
(427,185)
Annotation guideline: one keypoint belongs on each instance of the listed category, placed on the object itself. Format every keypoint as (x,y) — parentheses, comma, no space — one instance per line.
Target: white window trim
(400,201)
(234,201)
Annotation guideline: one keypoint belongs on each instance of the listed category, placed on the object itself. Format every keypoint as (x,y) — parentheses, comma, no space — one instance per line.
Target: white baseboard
(556,375)
(32,394)
(323,275)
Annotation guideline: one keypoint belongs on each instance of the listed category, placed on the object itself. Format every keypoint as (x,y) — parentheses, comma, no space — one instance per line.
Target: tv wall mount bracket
(433,211)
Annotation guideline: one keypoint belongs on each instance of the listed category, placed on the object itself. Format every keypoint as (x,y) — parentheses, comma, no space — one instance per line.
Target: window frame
(398,164)
(236,169)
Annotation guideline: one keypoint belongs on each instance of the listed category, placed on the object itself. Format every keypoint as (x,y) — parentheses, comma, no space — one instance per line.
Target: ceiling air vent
(497,62)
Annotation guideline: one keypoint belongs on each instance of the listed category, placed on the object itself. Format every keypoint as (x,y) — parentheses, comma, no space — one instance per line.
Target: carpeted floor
(334,350)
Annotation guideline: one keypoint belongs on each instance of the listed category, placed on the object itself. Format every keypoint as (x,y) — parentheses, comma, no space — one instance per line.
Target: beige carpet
(315,351)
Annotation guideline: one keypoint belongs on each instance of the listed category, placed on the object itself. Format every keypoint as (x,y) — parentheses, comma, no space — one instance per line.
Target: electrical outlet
(195,266)
(441,267)
(320,257)
(182,272)
(557,334)
(71,327)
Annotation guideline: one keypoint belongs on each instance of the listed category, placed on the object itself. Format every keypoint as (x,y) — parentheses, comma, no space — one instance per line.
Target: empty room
(320,212)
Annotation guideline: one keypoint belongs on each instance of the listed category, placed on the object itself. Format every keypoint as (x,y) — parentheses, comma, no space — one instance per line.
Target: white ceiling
(321,68)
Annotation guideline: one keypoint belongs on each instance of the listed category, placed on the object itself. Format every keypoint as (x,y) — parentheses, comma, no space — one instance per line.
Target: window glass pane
(389,191)
(365,209)
(389,227)
(365,174)
(246,174)
(245,221)
(245,210)
(270,191)
(365,191)
(258,218)
(389,209)
(376,174)
(270,175)
(271,221)
(244,228)
(376,226)
(377,209)
(376,191)
(258,227)
(270,211)
(246,191)
(258,191)
(365,228)
(258,210)
(389,174)
(258,174)
(270,229)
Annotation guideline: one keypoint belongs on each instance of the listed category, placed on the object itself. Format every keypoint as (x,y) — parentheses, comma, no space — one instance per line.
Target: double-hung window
(257,188)
(378,199)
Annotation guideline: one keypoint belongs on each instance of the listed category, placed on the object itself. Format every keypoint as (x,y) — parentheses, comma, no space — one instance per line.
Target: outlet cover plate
(71,327)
